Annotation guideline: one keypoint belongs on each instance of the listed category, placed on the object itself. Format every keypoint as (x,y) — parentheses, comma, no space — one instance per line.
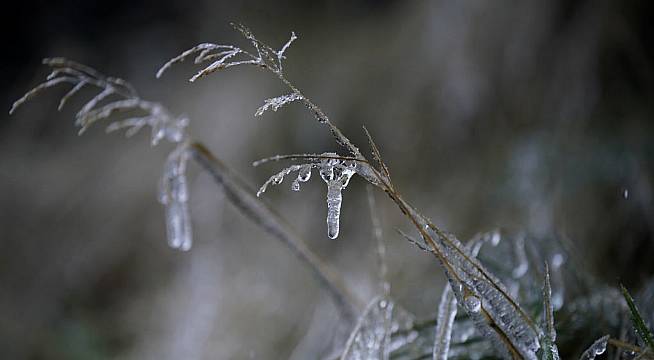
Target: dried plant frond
(173,191)
(226,56)
(377,156)
(204,49)
(275,103)
(164,124)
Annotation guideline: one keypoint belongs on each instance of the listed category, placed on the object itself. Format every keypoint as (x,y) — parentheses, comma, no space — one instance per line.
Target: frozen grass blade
(639,324)
(370,339)
(548,340)
(447,310)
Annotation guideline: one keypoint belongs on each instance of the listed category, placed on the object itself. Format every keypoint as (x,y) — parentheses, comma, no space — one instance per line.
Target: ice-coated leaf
(174,196)
(275,103)
(447,308)
(498,317)
(370,339)
(598,348)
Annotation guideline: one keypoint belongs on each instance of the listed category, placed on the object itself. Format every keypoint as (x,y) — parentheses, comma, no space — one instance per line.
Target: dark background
(524,115)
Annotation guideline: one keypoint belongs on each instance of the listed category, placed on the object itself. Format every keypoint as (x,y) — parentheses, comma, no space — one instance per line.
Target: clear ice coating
(336,174)
(447,309)
(598,348)
(174,196)
(499,319)
(370,338)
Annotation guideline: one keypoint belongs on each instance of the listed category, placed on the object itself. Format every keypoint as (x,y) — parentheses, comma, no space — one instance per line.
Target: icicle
(371,336)
(336,174)
(598,348)
(174,195)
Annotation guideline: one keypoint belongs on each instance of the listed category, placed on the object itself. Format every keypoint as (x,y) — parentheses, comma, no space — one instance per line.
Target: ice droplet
(295,186)
(472,303)
(598,348)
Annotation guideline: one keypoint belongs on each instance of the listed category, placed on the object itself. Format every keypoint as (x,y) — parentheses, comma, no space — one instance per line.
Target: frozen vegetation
(504,293)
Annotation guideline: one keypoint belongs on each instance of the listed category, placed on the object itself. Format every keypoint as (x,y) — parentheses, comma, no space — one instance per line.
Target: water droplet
(472,303)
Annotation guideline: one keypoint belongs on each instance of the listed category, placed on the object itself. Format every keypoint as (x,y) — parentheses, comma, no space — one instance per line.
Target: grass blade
(639,324)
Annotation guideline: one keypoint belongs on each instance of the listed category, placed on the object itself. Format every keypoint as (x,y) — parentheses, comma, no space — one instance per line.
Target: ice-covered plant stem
(495,312)
(117,95)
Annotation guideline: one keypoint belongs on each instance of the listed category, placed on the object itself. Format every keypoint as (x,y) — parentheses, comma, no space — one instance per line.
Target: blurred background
(530,116)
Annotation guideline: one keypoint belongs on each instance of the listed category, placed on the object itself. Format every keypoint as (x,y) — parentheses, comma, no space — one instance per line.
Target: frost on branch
(173,194)
(226,56)
(335,171)
(164,125)
(275,103)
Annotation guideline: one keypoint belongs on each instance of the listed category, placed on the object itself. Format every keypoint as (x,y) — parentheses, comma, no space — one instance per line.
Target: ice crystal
(275,103)
(598,348)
